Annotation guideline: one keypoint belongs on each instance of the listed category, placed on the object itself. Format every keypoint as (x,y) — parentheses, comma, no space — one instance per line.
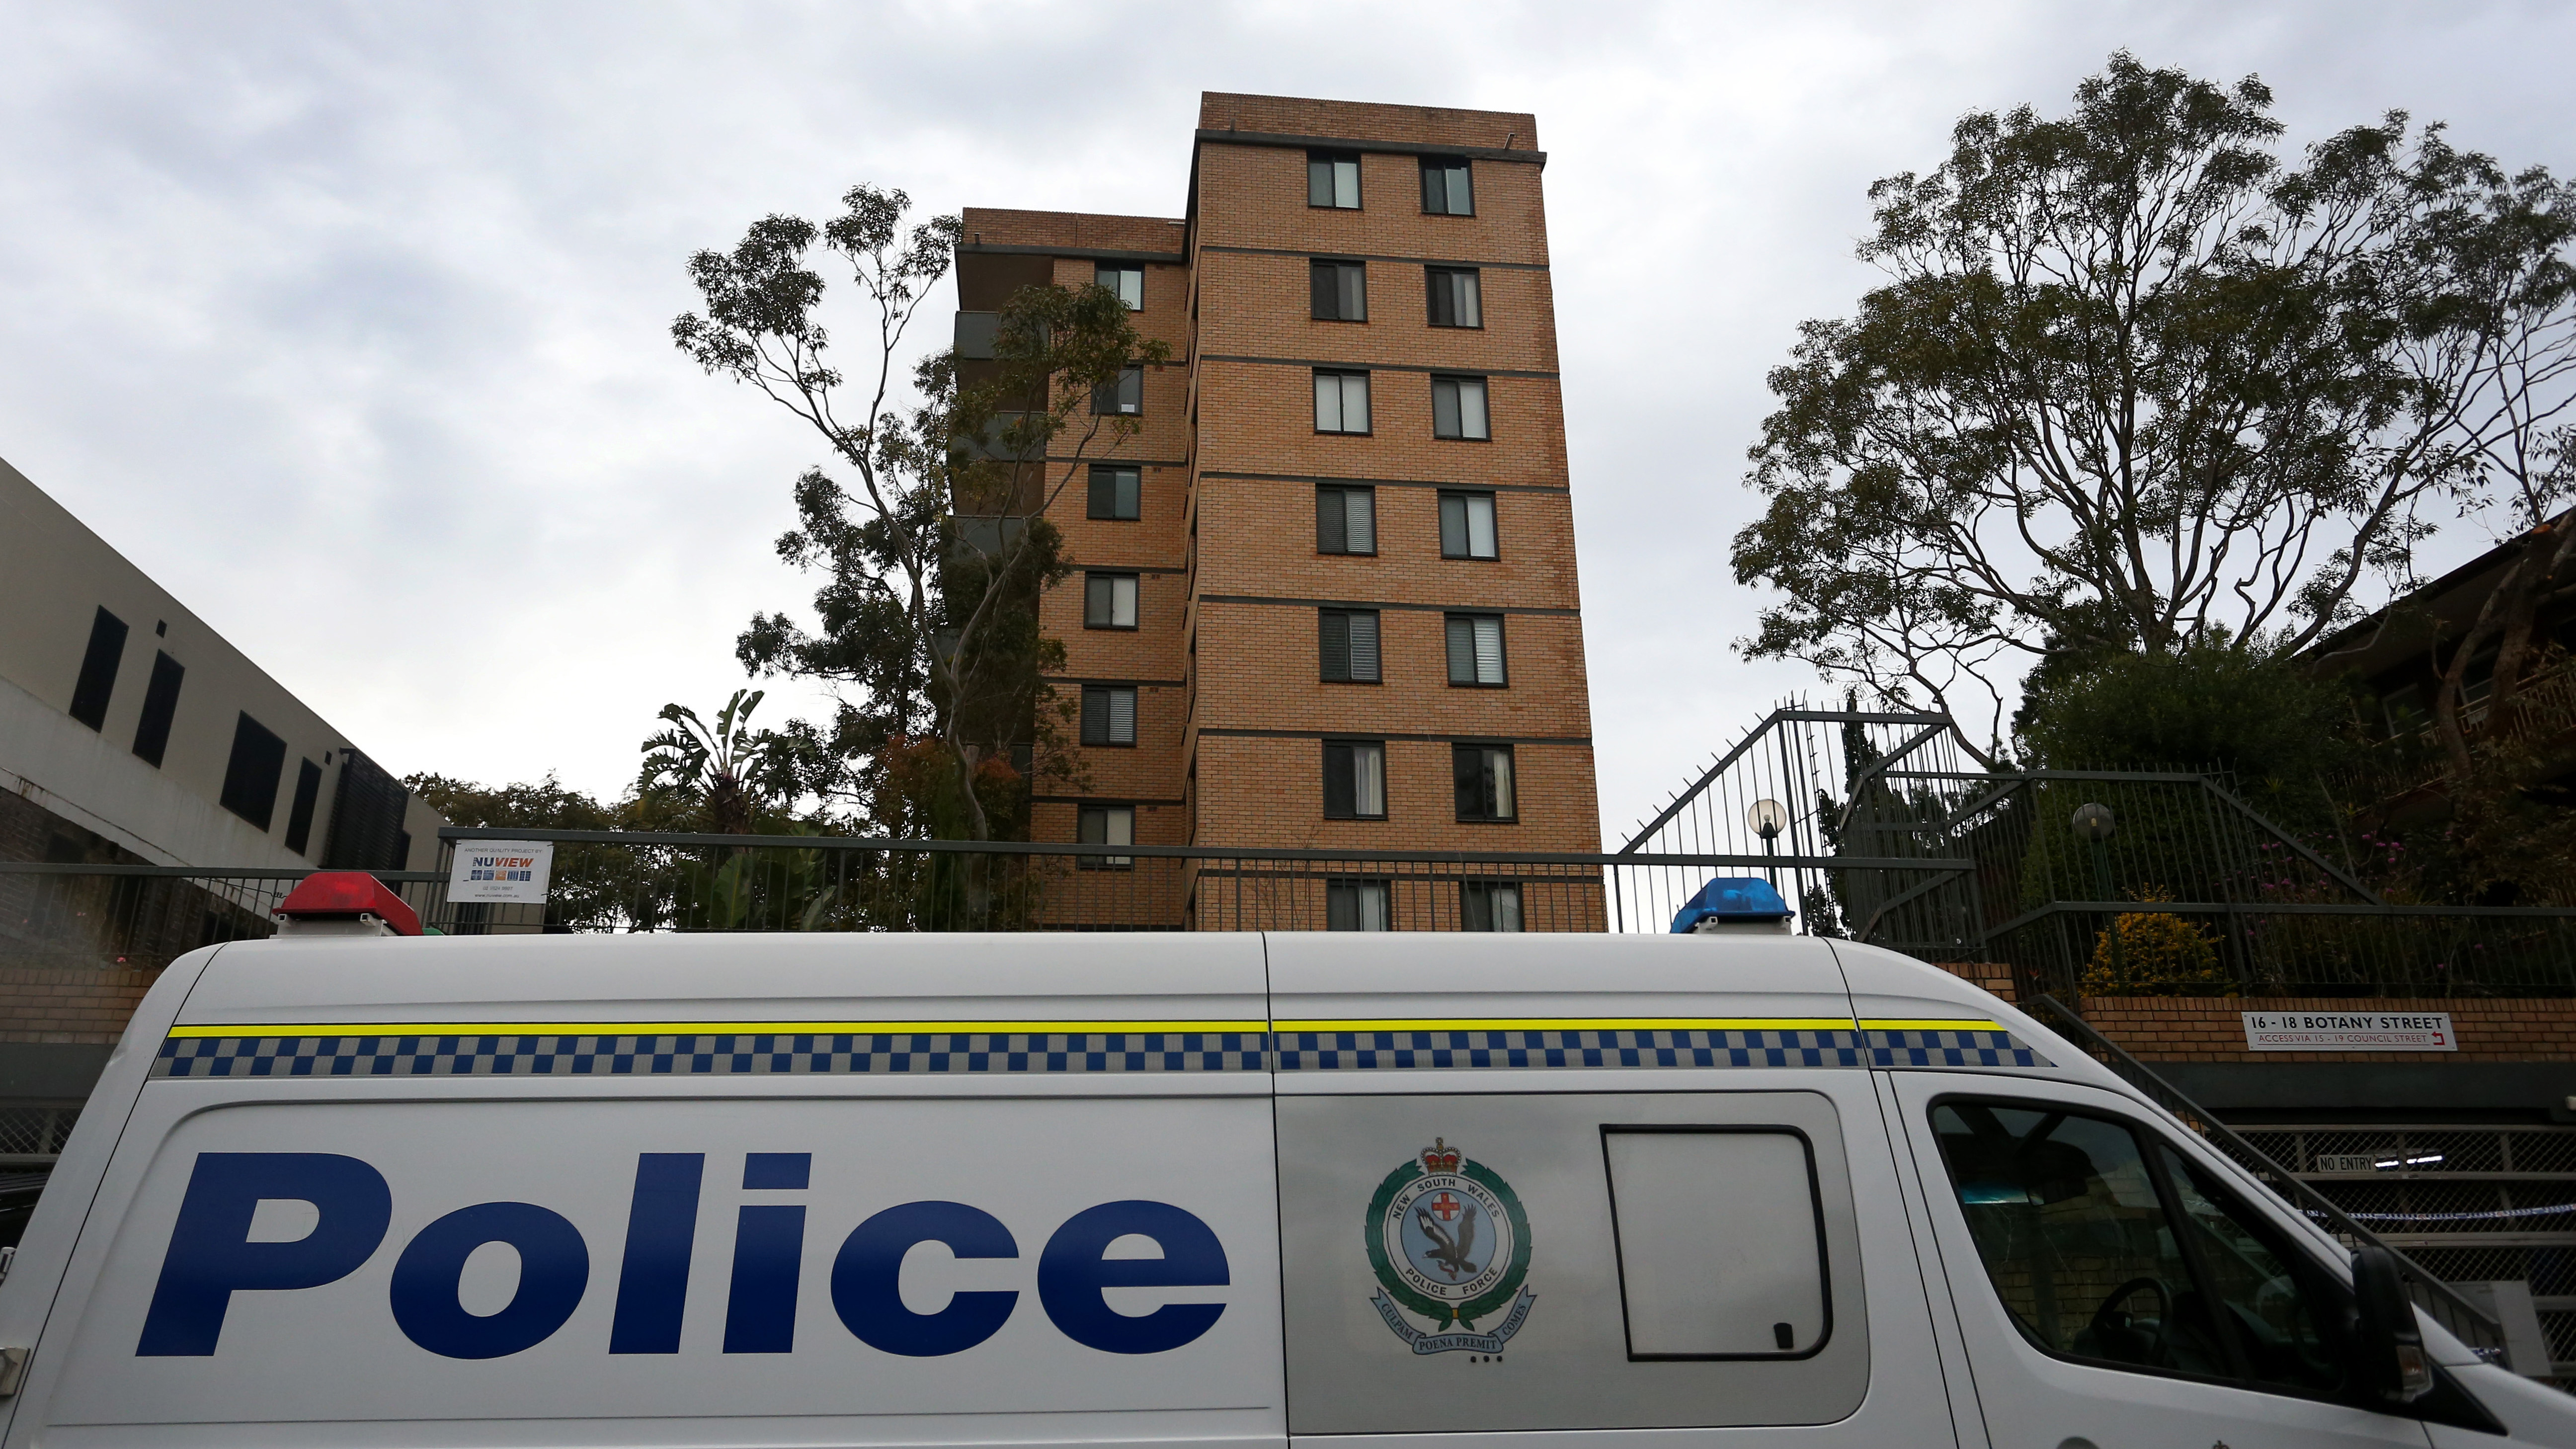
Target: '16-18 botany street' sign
(2349,1031)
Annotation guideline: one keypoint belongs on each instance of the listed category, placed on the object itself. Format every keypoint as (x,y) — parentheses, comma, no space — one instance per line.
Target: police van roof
(1287,982)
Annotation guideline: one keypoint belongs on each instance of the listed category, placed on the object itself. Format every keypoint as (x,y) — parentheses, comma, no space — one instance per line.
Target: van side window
(1721,1244)
(2104,1251)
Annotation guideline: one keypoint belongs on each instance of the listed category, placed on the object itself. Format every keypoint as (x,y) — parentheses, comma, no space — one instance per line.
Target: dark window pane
(1331,535)
(1356,905)
(1095,715)
(1484,781)
(160,703)
(367,818)
(2287,1314)
(1115,492)
(1453,525)
(299,816)
(1339,801)
(1456,299)
(1444,407)
(1489,905)
(1326,291)
(1319,180)
(1334,644)
(2074,1237)
(98,669)
(1445,187)
(251,777)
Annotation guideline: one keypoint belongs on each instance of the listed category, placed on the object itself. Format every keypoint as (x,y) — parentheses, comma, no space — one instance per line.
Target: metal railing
(2447,1305)
(2346,949)
(141,916)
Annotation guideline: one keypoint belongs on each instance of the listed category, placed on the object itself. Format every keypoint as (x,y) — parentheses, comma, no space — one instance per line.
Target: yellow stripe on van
(717,1028)
(1584,1023)
(1934,1023)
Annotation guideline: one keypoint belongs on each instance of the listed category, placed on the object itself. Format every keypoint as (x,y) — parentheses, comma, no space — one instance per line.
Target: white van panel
(379,1344)
(1364,1354)
(717,978)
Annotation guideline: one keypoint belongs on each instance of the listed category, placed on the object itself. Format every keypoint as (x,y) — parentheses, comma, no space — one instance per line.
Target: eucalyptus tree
(929,522)
(2133,383)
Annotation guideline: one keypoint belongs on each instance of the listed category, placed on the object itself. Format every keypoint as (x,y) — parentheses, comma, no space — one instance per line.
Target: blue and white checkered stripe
(709,1054)
(1918,1048)
(1344,1051)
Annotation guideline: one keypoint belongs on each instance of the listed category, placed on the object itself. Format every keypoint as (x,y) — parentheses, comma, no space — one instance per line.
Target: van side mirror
(2388,1346)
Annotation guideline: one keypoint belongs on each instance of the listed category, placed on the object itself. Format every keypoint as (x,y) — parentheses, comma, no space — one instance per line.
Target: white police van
(1196,1191)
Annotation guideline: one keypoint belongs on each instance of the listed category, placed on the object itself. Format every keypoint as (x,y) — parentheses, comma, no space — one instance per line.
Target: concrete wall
(55,575)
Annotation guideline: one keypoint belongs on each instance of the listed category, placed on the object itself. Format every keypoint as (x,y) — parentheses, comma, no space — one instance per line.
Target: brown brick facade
(1232,712)
(86,1006)
(2209,1029)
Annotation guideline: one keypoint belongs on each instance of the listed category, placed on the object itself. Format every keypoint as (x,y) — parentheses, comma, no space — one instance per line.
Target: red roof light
(349,893)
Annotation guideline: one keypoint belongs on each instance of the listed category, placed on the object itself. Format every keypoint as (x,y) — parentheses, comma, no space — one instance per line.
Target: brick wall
(2208,1029)
(74,1005)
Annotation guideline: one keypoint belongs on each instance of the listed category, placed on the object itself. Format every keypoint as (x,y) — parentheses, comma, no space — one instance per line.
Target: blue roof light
(1731,898)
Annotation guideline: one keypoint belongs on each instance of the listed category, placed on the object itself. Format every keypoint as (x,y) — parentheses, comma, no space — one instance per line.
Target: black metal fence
(144,916)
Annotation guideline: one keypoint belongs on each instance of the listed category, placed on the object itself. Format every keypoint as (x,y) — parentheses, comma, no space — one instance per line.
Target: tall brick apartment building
(1326,596)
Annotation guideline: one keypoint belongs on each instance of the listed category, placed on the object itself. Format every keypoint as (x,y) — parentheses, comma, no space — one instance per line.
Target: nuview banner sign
(2349,1031)
(501,870)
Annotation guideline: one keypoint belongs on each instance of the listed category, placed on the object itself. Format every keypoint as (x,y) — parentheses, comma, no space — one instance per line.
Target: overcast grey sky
(348,322)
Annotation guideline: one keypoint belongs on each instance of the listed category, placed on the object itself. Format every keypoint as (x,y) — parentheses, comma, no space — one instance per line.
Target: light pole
(2096,823)
(1768,818)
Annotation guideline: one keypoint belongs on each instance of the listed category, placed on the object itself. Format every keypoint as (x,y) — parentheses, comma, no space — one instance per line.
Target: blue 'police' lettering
(211,1256)
(768,1249)
(1072,1271)
(864,1277)
(554,1267)
(661,1229)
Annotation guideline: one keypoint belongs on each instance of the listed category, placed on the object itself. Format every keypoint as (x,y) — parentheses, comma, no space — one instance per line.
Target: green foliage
(2206,706)
(2134,384)
(739,779)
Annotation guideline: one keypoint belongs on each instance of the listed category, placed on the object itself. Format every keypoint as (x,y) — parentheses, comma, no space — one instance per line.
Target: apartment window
(1484,774)
(1458,408)
(160,703)
(1345,520)
(1109,714)
(98,669)
(1107,825)
(1340,291)
(299,816)
(1489,905)
(1476,650)
(1467,525)
(1333,179)
(1356,905)
(1457,297)
(1348,644)
(1341,402)
(251,776)
(1446,188)
(1116,492)
(1127,282)
(1123,398)
(1354,780)
(1109,601)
